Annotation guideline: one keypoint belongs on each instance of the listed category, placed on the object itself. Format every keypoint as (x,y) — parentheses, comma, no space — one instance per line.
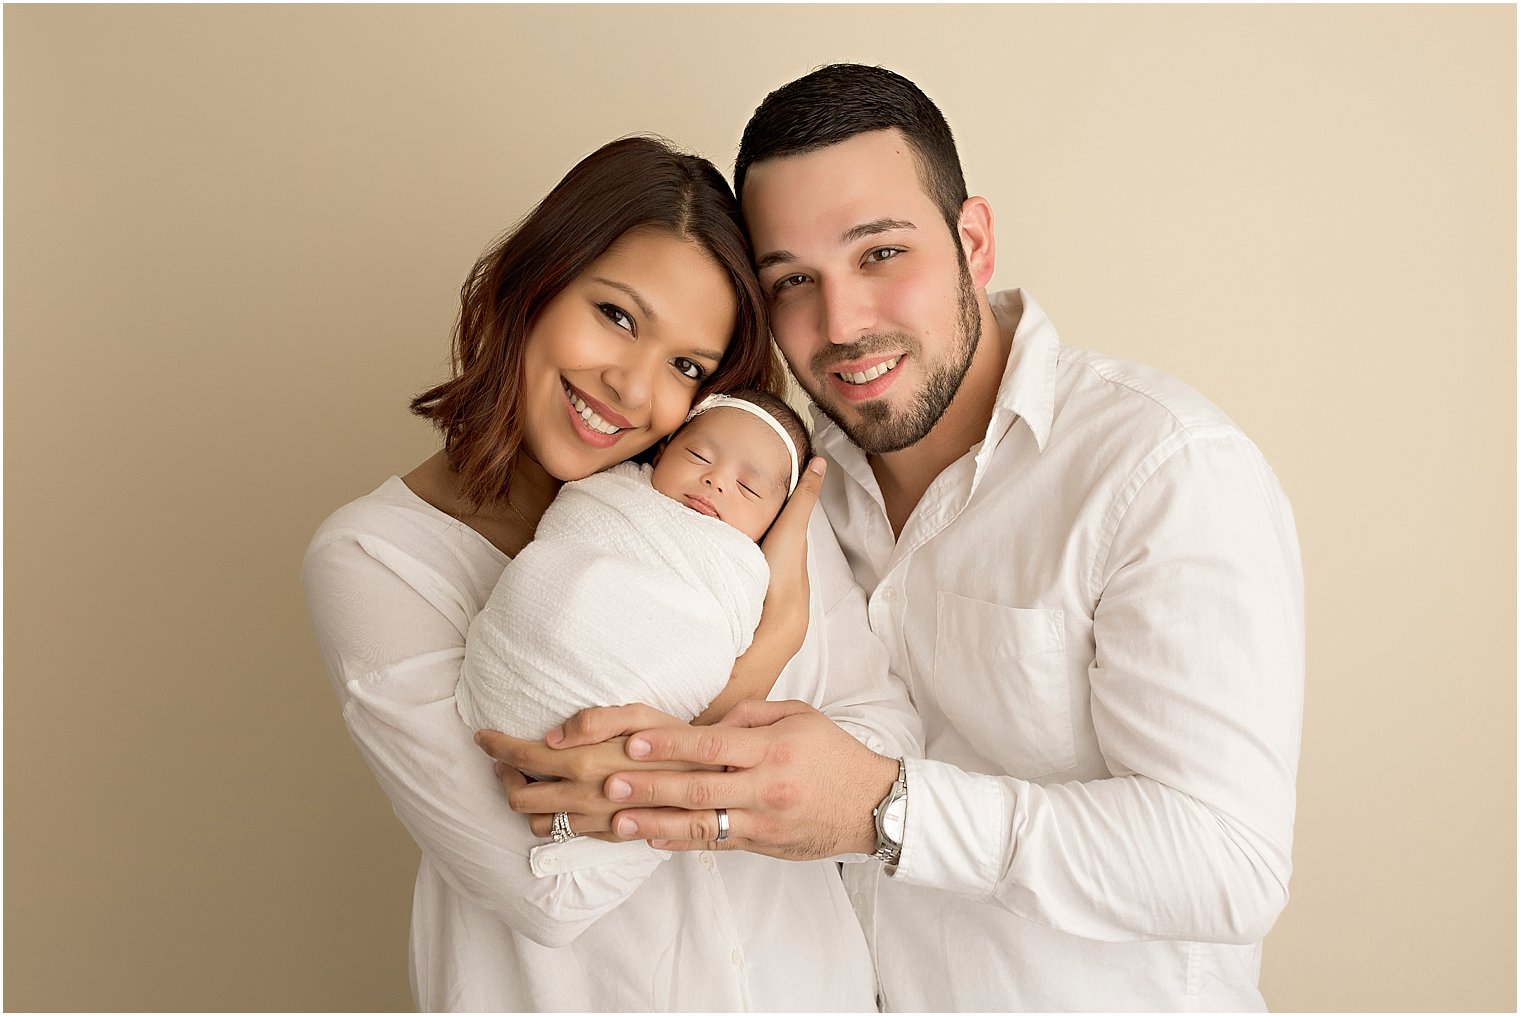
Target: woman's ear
(975,233)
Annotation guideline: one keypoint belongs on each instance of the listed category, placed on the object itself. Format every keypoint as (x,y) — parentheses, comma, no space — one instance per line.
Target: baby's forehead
(742,428)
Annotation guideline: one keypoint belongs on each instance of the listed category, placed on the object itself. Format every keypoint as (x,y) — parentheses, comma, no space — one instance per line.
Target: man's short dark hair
(837,102)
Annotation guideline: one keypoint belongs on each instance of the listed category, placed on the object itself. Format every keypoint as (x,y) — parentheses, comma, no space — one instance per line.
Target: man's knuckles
(782,795)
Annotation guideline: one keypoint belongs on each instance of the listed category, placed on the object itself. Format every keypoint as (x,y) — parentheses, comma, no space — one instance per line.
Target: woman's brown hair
(631,182)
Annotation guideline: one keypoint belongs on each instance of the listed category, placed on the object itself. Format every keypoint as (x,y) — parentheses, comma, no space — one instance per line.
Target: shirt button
(549,864)
(889,593)
(736,957)
(707,861)
(860,899)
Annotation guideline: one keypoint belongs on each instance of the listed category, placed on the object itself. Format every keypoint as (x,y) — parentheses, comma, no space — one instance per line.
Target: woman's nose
(632,384)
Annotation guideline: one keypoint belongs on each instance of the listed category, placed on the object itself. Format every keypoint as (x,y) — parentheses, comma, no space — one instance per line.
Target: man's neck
(904,475)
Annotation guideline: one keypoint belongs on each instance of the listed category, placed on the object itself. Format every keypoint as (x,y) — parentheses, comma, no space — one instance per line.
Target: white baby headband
(728,402)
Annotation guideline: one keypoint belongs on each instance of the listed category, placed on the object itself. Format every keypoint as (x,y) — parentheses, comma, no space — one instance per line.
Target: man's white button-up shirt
(1098,611)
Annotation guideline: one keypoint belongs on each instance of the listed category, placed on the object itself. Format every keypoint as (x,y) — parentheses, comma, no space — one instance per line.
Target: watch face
(893,819)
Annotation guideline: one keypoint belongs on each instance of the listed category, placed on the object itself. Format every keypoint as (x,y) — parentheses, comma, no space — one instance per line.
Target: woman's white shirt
(500,919)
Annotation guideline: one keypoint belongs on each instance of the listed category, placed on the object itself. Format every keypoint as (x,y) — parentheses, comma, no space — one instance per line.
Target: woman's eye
(883,254)
(689,368)
(617,315)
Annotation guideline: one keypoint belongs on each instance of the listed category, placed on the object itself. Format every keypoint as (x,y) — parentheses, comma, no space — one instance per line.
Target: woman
(583,338)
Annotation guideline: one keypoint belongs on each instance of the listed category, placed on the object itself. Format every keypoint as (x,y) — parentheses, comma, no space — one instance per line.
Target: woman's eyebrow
(633,294)
(650,315)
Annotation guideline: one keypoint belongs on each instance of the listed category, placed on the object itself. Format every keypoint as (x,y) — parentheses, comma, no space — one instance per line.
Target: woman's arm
(391,631)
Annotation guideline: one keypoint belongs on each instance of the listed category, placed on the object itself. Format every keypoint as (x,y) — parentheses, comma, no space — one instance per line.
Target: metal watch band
(887,851)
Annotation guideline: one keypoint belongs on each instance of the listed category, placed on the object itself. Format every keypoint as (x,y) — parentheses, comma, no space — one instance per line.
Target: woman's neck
(509,525)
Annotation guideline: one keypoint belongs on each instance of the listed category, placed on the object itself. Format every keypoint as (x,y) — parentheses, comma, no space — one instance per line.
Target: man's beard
(876,428)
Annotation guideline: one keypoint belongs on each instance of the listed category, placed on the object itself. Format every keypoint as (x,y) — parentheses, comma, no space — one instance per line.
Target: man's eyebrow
(860,232)
(775,257)
(633,294)
(873,227)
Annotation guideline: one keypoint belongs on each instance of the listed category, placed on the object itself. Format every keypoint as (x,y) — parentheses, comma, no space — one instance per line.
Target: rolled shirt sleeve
(1196,697)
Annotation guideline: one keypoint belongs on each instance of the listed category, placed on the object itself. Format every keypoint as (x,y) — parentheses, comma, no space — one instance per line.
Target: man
(1087,576)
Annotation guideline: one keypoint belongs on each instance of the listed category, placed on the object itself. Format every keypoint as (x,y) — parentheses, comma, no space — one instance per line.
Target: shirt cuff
(550,859)
(957,829)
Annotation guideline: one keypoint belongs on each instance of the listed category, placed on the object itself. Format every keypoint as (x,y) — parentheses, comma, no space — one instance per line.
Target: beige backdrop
(233,241)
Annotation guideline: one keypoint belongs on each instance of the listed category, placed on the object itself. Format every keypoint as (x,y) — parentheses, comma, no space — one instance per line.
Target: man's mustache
(879,342)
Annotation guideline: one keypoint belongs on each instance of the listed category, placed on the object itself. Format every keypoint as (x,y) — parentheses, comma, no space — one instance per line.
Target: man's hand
(581,765)
(797,786)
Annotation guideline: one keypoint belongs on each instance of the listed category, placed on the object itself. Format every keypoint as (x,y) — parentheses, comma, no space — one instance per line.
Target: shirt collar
(1027,391)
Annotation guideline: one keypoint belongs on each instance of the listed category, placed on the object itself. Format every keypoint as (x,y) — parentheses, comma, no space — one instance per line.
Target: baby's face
(727,464)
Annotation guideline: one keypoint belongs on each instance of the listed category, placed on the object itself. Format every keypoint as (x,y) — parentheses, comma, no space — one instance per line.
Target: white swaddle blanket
(624,595)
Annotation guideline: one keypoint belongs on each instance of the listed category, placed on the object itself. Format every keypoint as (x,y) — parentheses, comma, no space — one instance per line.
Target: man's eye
(689,368)
(617,316)
(787,282)
(883,254)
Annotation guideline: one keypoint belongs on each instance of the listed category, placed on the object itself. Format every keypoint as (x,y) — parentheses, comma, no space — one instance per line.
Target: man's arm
(1197,699)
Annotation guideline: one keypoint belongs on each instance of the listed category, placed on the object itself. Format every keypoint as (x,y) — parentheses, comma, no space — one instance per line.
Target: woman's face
(614,361)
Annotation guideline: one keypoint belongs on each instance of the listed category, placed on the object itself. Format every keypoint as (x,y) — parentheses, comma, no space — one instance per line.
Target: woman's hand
(582,755)
(784,616)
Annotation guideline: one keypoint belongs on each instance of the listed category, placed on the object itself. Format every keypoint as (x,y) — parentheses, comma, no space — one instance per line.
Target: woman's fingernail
(618,790)
(480,738)
(627,827)
(638,747)
(500,767)
(554,737)
(661,844)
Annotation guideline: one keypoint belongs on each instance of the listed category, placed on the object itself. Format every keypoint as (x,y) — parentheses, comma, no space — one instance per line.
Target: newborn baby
(642,584)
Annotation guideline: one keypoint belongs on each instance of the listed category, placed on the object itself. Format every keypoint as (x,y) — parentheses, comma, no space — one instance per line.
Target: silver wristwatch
(891,817)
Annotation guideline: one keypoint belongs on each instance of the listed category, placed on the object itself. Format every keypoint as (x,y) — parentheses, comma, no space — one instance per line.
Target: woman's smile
(593,421)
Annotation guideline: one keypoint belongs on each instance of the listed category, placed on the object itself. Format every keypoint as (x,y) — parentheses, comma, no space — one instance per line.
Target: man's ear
(975,232)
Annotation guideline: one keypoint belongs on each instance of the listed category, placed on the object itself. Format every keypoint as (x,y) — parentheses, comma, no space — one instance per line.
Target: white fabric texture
(504,921)
(1099,614)
(624,595)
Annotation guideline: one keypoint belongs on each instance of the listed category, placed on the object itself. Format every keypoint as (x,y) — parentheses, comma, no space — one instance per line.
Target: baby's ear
(659,449)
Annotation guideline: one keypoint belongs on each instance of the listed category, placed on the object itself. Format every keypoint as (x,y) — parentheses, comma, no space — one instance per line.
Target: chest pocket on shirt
(1001,677)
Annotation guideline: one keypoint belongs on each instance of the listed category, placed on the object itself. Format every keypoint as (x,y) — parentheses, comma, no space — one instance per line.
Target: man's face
(870,298)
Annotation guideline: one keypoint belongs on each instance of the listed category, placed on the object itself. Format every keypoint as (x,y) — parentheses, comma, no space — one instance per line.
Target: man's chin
(873,427)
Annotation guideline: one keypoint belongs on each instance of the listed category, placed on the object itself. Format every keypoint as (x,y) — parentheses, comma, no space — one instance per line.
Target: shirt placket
(729,953)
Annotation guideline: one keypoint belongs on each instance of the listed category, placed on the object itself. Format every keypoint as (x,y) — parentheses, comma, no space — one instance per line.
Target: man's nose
(846,310)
